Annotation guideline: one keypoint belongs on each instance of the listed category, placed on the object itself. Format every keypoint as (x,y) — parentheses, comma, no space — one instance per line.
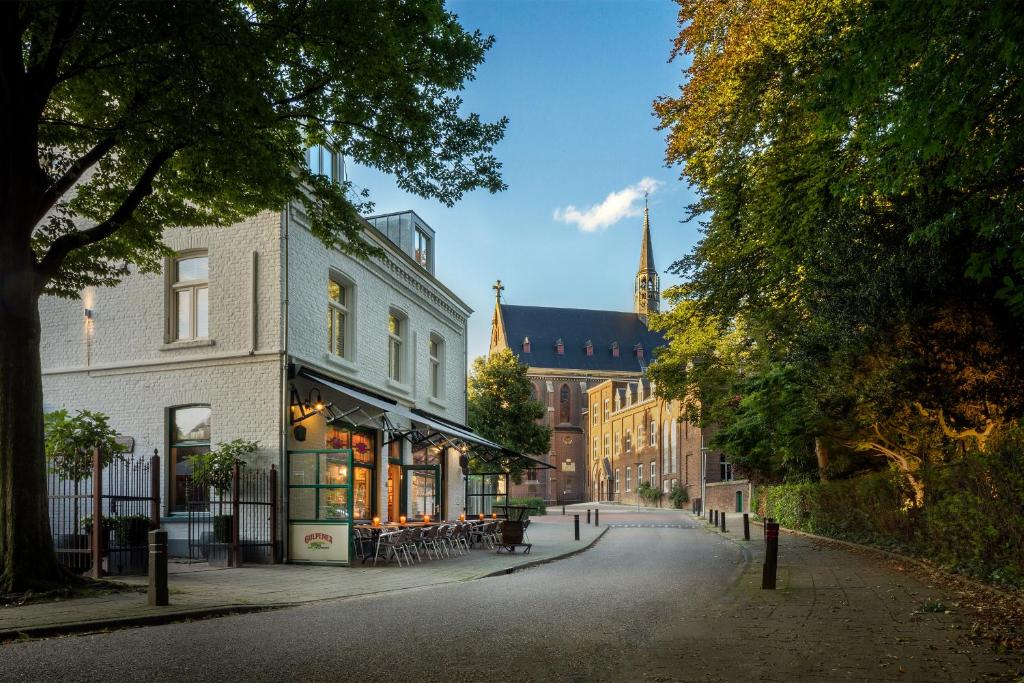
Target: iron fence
(99,522)
(239,525)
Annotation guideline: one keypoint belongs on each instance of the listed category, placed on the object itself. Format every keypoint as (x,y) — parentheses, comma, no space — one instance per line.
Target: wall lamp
(313,405)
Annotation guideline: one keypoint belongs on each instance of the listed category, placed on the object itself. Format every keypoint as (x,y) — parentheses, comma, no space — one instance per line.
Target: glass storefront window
(424,493)
(362,447)
(302,469)
(361,495)
(431,455)
(302,504)
(333,469)
(333,504)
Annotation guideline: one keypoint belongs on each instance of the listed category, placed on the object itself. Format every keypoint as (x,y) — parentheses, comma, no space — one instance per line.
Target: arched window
(563,404)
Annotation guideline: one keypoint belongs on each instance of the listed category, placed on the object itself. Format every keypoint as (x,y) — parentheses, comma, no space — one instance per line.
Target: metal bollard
(563,510)
(714,518)
(746,526)
(722,516)
(588,515)
(157,594)
(576,525)
(597,517)
(771,556)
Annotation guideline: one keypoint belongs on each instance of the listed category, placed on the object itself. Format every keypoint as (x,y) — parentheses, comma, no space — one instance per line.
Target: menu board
(318,542)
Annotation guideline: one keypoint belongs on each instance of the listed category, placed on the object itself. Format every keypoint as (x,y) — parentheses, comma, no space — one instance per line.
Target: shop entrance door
(395,489)
(424,491)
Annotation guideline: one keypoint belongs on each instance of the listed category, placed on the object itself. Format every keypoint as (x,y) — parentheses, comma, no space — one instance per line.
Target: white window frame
(629,479)
(315,160)
(639,474)
(342,310)
(654,433)
(421,255)
(629,440)
(607,445)
(397,343)
(654,472)
(617,472)
(436,365)
(617,439)
(193,287)
(607,409)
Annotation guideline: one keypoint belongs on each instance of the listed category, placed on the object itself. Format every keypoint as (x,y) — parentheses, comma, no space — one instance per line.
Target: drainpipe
(284,411)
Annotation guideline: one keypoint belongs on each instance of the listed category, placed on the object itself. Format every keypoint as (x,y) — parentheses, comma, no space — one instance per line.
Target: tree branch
(71,176)
(65,244)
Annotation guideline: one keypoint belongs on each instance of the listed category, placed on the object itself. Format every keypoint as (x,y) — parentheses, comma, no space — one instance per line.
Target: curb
(512,570)
(93,626)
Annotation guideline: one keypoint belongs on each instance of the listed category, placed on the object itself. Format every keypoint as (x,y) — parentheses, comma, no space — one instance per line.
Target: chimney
(638,351)
(588,348)
(560,348)
(615,349)
(526,344)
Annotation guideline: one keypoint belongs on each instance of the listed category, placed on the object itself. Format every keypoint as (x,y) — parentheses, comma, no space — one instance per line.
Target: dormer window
(638,351)
(588,348)
(324,161)
(560,347)
(526,344)
(615,349)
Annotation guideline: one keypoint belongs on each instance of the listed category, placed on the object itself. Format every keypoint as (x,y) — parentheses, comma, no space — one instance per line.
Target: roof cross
(497,287)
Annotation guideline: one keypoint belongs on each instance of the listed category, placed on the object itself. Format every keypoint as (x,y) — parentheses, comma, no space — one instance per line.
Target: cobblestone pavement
(836,615)
(199,587)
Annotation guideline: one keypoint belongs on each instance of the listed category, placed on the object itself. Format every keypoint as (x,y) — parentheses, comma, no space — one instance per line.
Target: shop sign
(318,542)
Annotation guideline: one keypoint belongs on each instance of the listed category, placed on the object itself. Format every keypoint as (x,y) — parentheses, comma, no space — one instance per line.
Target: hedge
(971,521)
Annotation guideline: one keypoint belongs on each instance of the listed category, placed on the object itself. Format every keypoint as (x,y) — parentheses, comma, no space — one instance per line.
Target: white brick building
(237,324)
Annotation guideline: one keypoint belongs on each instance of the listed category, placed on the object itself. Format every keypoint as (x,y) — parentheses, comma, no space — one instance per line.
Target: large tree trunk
(821,451)
(27,560)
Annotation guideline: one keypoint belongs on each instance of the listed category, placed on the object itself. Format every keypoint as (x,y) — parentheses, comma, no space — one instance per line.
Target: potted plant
(70,442)
(213,471)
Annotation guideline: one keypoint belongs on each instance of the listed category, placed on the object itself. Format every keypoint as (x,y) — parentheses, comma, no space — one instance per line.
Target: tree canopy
(501,409)
(119,121)
(858,286)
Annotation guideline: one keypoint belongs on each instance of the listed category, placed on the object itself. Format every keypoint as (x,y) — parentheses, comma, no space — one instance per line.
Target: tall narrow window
(563,404)
(422,245)
(629,479)
(436,359)
(607,445)
(337,317)
(629,441)
(654,473)
(324,161)
(654,433)
(396,333)
(190,295)
(639,474)
(189,435)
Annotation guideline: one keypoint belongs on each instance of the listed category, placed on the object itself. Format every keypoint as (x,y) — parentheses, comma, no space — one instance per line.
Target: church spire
(646,288)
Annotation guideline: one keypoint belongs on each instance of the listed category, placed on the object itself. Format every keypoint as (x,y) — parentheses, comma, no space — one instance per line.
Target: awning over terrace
(364,408)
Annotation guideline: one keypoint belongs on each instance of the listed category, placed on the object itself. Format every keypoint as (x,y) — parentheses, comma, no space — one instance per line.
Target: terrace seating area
(416,542)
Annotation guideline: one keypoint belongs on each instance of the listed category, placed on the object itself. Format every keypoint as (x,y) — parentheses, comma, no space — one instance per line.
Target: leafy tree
(858,174)
(121,120)
(500,407)
(214,469)
(70,442)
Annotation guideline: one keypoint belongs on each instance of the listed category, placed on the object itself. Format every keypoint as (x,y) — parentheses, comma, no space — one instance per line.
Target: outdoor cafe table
(377,530)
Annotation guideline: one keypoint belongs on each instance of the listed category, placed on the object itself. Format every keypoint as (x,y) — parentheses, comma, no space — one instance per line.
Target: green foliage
(213,469)
(536,505)
(860,281)
(964,523)
(648,493)
(127,529)
(678,497)
(163,115)
(500,408)
(70,442)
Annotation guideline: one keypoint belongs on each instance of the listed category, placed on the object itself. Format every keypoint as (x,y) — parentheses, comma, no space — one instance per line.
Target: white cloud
(616,206)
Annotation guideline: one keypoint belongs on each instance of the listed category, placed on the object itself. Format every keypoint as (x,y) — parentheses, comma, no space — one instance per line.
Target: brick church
(569,351)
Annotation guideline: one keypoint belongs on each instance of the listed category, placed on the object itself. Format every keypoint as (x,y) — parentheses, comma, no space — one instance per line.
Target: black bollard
(771,556)
(746,526)
(157,594)
(576,524)
(722,517)
(588,515)
(563,510)
(597,517)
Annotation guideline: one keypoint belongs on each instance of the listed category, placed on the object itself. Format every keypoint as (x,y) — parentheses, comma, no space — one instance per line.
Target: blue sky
(576,80)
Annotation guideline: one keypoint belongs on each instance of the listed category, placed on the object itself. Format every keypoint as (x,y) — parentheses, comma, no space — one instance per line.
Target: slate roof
(575,326)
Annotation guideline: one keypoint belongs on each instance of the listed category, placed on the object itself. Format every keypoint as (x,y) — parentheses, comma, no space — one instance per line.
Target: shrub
(213,469)
(969,522)
(648,493)
(536,505)
(678,497)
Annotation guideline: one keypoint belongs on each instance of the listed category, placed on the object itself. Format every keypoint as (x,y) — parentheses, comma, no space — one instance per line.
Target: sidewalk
(197,590)
(880,619)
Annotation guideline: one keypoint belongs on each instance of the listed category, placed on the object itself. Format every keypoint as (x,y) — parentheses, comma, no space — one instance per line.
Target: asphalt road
(606,614)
